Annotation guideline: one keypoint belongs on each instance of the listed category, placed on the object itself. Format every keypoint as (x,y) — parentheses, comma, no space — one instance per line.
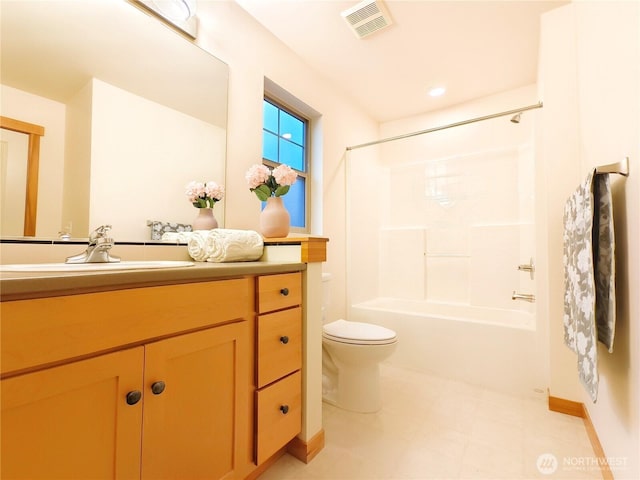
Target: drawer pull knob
(158,387)
(284,339)
(134,397)
(284,409)
(284,292)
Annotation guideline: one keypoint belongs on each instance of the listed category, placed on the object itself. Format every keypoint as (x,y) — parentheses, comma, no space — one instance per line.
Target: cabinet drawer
(279,291)
(279,415)
(45,330)
(279,344)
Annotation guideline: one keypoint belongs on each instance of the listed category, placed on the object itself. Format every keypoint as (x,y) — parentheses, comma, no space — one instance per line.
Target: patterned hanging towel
(589,300)
(604,261)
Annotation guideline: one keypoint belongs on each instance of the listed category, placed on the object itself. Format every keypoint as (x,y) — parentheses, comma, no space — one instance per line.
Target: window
(284,140)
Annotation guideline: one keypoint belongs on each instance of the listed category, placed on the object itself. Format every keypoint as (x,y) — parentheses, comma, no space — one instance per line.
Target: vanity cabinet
(185,380)
(140,383)
(278,397)
(72,421)
(192,386)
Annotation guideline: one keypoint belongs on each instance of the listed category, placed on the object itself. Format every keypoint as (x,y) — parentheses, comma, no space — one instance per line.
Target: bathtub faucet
(523,296)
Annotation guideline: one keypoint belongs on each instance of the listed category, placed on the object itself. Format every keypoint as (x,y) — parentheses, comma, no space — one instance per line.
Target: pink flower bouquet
(204,195)
(266,183)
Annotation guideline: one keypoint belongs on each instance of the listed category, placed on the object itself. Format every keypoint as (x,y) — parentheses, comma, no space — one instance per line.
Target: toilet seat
(358,333)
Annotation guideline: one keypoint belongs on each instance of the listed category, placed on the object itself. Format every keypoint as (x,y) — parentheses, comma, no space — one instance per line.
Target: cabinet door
(73,421)
(193,428)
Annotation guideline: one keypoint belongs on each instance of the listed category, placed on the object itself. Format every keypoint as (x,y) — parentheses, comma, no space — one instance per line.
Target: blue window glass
(295,202)
(270,117)
(292,155)
(284,142)
(291,128)
(269,146)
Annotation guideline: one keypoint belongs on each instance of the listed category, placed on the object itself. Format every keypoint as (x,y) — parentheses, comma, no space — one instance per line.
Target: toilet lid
(358,333)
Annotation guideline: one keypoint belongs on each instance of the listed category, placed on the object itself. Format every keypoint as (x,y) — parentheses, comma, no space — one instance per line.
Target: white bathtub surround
(491,348)
(457,228)
(456,218)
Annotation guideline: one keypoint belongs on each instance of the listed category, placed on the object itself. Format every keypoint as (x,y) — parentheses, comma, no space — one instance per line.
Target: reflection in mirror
(132,114)
(19,141)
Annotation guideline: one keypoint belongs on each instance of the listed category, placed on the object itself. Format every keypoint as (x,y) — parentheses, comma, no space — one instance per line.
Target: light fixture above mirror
(178,13)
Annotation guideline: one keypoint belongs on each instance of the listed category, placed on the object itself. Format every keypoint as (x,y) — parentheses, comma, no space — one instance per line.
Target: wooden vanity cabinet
(278,399)
(169,407)
(72,421)
(191,426)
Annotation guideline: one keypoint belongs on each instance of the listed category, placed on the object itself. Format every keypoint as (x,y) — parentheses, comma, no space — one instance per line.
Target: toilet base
(358,390)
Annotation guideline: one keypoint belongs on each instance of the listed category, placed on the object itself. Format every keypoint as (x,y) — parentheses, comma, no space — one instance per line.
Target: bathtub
(498,349)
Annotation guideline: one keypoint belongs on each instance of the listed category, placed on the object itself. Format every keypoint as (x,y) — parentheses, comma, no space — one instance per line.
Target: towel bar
(621,168)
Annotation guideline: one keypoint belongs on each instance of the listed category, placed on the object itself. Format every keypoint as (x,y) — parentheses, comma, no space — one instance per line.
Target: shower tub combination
(494,348)
(437,256)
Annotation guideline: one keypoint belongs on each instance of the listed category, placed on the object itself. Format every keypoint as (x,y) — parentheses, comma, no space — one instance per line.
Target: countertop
(28,285)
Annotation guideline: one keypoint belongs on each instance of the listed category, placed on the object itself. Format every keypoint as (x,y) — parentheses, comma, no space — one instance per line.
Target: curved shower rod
(451,125)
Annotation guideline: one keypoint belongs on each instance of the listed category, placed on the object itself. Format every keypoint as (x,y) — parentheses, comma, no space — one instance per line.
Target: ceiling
(473,48)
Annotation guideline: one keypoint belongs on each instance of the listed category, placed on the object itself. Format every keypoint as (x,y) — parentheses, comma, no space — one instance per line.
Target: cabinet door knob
(284,291)
(157,387)
(134,397)
(284,339)
(284,409)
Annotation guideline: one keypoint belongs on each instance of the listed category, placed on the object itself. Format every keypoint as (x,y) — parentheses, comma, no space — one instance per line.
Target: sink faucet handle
(98,250)
(100,232)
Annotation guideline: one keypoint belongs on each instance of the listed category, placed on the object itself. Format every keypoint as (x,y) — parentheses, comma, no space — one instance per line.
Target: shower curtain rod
(451,125)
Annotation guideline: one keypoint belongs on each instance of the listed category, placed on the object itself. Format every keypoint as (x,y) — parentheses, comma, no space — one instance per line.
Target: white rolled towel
(225,245)
(177,237)
(197,245)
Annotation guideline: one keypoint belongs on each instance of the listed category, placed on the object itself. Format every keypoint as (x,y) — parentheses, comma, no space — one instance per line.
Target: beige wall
(253,54)
(589,79)
(51,115)
(77,163)
(135,153)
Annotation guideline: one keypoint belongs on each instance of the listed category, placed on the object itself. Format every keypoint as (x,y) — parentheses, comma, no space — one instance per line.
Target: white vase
(274,219)
(205,220)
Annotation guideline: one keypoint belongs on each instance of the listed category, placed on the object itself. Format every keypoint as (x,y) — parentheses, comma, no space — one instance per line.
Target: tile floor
(434,428)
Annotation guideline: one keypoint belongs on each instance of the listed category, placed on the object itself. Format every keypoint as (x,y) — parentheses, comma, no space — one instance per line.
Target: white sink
(93,267)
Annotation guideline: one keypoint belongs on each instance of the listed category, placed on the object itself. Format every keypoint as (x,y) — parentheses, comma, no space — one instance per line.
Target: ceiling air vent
(367,17)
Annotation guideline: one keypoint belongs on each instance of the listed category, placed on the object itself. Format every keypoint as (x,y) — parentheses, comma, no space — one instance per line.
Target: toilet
(351,355)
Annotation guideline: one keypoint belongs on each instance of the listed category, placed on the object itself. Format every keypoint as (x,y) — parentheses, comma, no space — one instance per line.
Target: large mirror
(131,110)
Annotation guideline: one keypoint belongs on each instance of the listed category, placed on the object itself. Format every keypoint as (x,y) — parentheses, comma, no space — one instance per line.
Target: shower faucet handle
(530,267)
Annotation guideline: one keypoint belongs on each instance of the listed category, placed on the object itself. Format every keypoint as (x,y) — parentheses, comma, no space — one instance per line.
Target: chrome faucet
(528,268)
(98,249)
(523,296)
